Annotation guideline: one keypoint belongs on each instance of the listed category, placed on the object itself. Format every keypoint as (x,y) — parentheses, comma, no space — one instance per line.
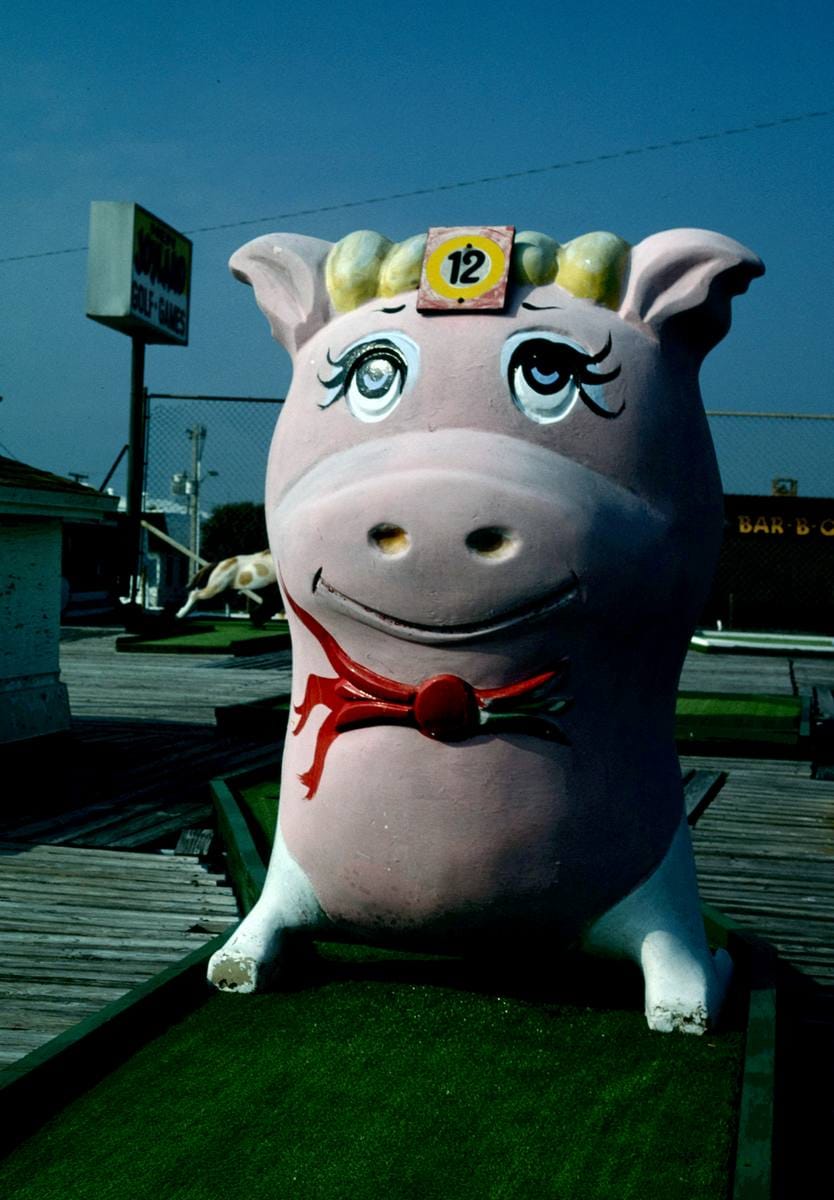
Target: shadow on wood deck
(94,897)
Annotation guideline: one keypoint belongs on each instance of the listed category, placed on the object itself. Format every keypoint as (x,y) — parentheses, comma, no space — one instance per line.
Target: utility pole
(197,434)
(139,283)
(136,464)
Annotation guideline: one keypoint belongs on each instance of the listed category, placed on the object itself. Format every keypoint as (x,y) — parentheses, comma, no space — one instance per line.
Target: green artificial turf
(382,1075)
(739,709)
(707,715)
(260,803)
(215,637)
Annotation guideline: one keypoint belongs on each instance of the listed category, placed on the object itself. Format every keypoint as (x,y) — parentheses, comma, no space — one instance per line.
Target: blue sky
(220,113)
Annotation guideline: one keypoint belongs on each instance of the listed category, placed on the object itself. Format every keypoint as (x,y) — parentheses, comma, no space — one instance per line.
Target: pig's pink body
(406,832)
(610,517)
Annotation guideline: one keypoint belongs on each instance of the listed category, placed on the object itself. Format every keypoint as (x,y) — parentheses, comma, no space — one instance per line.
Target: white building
(33,505)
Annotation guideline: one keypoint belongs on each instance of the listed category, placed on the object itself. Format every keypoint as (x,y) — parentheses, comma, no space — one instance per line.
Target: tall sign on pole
(139,283)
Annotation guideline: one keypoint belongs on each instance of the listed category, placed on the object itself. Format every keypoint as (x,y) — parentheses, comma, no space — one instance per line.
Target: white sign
(139,273)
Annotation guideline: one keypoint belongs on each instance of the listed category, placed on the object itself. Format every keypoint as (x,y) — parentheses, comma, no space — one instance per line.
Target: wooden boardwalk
(93,898)
(161,687)
(127,785)
(79,928)
(765,856)
(89,904)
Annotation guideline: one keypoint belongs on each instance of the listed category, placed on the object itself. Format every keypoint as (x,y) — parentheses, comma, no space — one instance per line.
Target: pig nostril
(492,542)
(389,539)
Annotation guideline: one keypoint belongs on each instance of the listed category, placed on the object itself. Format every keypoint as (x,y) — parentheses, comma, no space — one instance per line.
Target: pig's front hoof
(244,967)
(230,972)
(671,1019)
(690,1002)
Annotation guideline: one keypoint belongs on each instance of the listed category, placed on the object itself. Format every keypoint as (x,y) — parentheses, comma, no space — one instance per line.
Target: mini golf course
(217,636)
(389,1075)
(714,716)
(375,1073)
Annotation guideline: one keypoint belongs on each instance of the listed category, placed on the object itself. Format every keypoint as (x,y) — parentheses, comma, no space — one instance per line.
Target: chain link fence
(204,483)
(206,463)
(757,449)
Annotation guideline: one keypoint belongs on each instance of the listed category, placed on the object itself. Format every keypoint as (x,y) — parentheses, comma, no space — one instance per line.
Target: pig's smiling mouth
(533,610)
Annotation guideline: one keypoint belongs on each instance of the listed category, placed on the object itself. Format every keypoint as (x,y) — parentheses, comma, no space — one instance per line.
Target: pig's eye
(547,375)
(374,384)
(371,375)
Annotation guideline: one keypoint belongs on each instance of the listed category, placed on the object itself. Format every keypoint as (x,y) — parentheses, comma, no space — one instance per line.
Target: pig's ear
(286,272)
(680,284)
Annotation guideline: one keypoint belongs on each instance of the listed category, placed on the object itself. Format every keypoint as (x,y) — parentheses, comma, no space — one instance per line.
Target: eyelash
(574,365)
(344,365)
(582,375)
(580,371)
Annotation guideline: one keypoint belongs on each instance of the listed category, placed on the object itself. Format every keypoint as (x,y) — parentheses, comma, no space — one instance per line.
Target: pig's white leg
(253,953)
(659,925)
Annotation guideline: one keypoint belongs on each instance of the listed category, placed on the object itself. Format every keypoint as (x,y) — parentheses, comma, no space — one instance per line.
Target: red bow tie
(444,707)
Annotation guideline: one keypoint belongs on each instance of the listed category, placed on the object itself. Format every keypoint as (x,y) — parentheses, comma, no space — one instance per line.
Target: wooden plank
(55,918)
(764,853)
(21,952)
(20,917)
(736,673)
(174,689)
(82,927)
(729,867)
(82,854)
(699,790)
(119,891)
(122,937)
(54,975)
(177,883)
(109,827)
(28,1038)
(55,1071)
(142,905)
(11,989)
(95,882)
(38,1020)
(195,841)
(797,768)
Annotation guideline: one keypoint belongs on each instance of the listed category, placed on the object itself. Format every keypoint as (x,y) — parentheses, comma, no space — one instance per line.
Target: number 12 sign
(466,268)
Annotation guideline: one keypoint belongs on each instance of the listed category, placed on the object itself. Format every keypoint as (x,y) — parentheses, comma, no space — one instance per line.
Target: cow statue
(246,573)
(497,529)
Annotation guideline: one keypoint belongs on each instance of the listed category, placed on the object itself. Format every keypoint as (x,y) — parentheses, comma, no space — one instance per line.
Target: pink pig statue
(494,532)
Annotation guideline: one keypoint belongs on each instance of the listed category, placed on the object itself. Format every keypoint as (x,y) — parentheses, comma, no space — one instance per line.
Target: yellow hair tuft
(591,267)
(365,265)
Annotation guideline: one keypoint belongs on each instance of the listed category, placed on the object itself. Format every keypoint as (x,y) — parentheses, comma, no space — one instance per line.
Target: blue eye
(541,377)
(547,375)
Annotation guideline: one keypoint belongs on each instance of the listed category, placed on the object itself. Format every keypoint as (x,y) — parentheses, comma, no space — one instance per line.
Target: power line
(465,183)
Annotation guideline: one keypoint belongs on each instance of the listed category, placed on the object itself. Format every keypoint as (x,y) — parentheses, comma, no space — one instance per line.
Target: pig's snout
(431,554)
(492,542)
(489,541)
(390,540)
(457,534)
